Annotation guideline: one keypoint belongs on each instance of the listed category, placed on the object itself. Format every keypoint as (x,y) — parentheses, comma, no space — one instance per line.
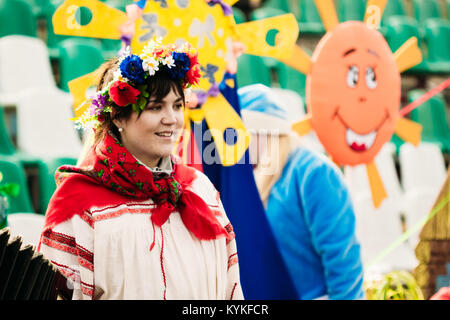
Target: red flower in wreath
(123,94)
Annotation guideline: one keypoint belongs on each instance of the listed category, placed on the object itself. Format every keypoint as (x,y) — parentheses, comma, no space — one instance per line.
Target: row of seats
(433,35)
(309,19)
(434,116)
(69,51)
(33,110)
(34,18)
(46,139)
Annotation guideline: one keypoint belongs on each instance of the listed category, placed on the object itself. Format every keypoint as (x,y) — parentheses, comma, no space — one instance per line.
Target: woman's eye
(371,78)
(178,106)
(154,108)
(352,76)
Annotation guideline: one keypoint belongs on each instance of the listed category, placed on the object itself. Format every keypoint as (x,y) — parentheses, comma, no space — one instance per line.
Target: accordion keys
(26,274)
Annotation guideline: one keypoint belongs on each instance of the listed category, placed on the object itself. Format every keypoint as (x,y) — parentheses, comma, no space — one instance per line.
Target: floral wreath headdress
(128,86)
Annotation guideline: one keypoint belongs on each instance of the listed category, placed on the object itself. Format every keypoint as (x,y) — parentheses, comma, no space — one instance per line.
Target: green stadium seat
(291,79)
(437,40)
(111,47)
(13,172)
(251,70)
(17,17)
(448,9)
(40,7)
(265,12)
(351,10)
(43,168)
(432,115)
(397,141)
(425,9)
(239,15)
(393,8)
(309,19)
(77,57)
(398,30)
(48,188)
(283,5)
(6,145)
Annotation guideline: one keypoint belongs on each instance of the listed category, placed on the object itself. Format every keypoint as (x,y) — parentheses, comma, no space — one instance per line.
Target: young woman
(131,222)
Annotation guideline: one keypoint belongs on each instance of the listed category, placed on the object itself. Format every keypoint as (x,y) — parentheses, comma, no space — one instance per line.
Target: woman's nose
(169,117)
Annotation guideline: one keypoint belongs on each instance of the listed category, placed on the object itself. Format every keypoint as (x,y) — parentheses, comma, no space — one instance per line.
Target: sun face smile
(356,141)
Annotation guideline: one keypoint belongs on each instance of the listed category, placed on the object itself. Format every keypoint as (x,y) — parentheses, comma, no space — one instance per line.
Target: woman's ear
(118,123)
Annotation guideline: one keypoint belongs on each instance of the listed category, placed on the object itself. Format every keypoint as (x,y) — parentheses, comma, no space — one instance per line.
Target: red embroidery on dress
(86,217)
(60,237)
(232,291)
(232,260)
(59,246)
(74,275)
(229,229)
(162,264)
(115,214)
(128,204)
(154,236)
(218,196)
(64,243)
(68,272)
(86,290)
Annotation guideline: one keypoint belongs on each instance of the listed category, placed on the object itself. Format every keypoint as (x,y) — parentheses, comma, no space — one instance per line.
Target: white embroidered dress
(107,253)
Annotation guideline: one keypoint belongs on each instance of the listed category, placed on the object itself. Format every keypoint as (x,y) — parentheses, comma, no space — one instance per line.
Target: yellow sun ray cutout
(353,90)
(208,28)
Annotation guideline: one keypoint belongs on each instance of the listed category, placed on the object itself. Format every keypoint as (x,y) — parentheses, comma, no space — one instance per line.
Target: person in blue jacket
(307,202)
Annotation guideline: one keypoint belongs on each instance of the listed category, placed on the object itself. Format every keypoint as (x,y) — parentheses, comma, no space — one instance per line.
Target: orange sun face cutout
(353,91)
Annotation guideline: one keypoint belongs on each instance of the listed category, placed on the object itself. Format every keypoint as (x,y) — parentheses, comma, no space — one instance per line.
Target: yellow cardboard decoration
(253,36)
(408,55)
(374,11)
(104,24)
(408,130)
(218,114)
(303,127)
(327,13)
(298,59)
(212,33)
(78,88)
(376,184)
(207,28)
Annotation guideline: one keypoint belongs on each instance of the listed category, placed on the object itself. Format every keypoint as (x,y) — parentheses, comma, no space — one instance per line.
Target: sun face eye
(371,78)
(352,76)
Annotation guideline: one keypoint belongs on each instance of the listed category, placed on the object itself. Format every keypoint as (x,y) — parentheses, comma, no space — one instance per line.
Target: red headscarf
(110,175)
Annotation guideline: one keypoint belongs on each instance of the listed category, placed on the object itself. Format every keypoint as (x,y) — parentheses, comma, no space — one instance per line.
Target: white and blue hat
(262,108)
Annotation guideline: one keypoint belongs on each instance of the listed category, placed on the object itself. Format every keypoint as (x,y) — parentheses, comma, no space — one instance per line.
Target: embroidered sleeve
(234,290)
(69,246)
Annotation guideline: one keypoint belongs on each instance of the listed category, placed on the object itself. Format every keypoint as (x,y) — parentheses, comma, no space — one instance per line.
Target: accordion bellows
(26,274)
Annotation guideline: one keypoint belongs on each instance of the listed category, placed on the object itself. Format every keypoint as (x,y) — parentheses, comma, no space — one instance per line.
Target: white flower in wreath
(117,76)
(150,64)
(168,61)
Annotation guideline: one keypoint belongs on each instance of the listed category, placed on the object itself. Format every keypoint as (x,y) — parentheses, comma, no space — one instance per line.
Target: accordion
(26,274)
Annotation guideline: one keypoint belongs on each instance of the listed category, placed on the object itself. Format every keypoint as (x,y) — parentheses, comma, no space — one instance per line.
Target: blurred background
(35,105)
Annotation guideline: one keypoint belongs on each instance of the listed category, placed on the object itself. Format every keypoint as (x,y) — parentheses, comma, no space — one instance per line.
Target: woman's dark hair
(158,86)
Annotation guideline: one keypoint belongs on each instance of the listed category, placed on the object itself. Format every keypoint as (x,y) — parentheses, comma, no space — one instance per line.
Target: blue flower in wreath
(131,68)
(182,64)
